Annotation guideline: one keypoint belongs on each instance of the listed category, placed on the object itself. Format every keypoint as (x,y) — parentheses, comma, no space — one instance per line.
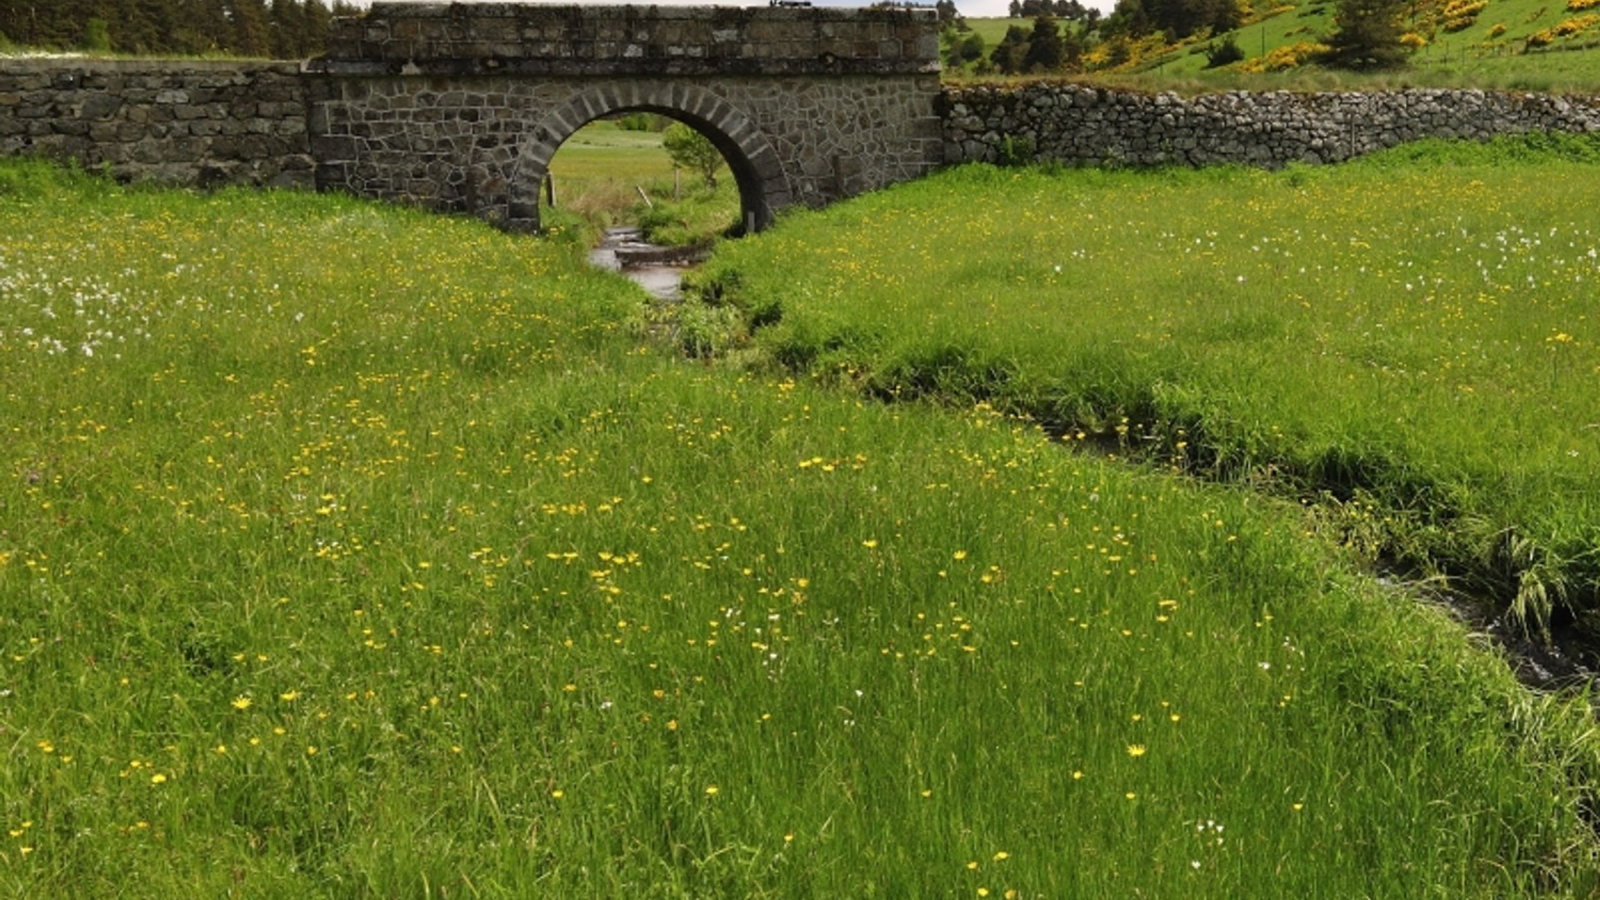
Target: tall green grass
(1412,338)
(348,552)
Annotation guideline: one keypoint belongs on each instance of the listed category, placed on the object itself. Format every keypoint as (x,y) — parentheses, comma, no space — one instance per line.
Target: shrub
(971,48)
(1580,5)
(692,150)
(1413,40)
(1279,59)
(97,36)
(1574,26)
(1461,14)
(639,121)
(1464,8)
(1498,29)
(1015,151)
(1225,53)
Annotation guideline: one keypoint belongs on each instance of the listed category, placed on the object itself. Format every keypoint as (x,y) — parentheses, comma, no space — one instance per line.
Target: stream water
(658,270)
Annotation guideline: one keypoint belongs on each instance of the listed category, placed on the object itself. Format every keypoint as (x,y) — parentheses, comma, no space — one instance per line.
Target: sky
(975,8)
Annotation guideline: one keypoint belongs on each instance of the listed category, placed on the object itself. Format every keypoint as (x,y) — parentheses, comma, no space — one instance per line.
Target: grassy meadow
(1409,343)
(415,567)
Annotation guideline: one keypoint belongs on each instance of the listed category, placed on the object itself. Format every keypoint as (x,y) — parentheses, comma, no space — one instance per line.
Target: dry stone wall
(462,106)
(180,123)
(1083,125)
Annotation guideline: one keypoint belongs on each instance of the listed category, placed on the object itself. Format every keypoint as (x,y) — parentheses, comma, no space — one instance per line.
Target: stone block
(334,149)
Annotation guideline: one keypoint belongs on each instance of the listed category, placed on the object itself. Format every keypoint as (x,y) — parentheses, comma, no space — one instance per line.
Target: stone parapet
(188,123)
(1084,125)
(620,41)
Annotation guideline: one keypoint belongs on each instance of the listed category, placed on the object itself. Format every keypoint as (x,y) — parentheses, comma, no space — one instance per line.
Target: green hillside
(1523,44)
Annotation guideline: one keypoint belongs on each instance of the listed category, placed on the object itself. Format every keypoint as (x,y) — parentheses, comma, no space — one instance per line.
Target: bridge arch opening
(750,158)
(645,171)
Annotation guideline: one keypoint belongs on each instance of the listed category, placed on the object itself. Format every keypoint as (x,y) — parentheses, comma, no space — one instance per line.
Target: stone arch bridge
(460,106)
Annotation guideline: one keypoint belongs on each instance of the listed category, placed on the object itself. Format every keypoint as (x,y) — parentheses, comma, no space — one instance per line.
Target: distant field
(600,170)
(601,152)
(1411,340)
(352,552)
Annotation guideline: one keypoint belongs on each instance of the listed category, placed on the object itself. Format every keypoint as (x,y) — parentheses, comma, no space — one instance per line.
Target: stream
(658,270)
(1555,665)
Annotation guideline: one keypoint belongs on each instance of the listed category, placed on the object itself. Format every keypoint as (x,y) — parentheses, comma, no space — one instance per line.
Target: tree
(319,21)
(949,15)
(958,48)
(250,37)
(1367,35)
(692,150)
(286,27)
(1178,18)
(1007,56)
(1225,53)
(971,48)
(1045,52)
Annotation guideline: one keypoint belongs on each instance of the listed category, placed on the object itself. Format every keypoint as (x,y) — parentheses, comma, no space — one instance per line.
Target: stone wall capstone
(468,38)
(1084,125)
(179,123)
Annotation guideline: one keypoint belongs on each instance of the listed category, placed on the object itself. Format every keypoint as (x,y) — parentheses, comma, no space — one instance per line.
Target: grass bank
(1408,342)
(403,567)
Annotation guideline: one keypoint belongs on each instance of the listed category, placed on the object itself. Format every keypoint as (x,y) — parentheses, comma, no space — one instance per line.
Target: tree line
(282,29)
(1366,35)
(1071,10)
